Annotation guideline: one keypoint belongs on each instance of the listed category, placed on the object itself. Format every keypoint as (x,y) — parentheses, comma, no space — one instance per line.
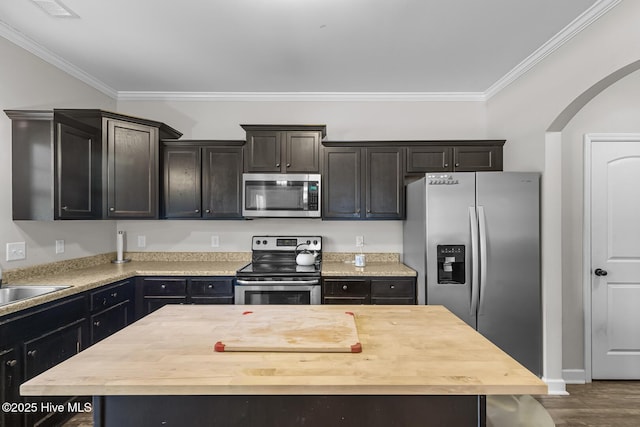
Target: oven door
(297,292)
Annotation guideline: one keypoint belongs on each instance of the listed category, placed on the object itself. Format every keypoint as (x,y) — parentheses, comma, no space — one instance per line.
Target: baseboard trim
(574,376)
(556,386)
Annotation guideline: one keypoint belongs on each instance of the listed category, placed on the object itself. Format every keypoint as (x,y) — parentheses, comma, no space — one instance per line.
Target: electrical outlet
(16,251)
(215,241)
(142,241)
(359,240)
(59,246)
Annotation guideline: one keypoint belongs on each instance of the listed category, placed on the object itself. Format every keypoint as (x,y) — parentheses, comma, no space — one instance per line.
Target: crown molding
(303,96)
(46,55)
(597,10)
(587,18)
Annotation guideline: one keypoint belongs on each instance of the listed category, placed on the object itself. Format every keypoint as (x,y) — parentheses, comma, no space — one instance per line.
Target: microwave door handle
(305,195)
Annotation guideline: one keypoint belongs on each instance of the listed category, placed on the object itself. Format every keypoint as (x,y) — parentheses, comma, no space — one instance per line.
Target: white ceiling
(286,46)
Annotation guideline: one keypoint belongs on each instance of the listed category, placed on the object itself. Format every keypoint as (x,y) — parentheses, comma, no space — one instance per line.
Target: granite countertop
(347,268)
(85,274)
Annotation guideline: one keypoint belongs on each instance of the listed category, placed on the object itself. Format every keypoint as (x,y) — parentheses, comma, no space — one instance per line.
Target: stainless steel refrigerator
(474,240)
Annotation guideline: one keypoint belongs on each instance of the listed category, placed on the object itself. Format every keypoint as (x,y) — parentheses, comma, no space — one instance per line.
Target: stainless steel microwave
(281,195)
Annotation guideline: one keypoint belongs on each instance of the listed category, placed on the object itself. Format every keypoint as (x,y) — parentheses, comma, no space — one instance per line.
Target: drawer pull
(114,295)
(104,301)
(208,211)
(210,286)
(345,287)
(11,363)
(32,353)
(392,286)
(163,286)
(96,323)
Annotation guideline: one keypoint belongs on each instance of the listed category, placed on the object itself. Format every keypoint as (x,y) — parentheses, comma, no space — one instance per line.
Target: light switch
(16,251)
(59,246)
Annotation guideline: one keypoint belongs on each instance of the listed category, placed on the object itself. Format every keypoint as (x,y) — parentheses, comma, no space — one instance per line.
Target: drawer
(211,286)
(109,321)
(393,288)
(111,295)
(160,286)
(346,288)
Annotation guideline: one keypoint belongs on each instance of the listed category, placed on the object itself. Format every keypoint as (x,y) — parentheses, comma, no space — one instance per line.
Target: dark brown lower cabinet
(155,292)
(34,340)
(369,290)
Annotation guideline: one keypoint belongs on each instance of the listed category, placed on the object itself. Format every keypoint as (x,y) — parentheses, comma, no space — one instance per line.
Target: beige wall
(522,113)
(27,82)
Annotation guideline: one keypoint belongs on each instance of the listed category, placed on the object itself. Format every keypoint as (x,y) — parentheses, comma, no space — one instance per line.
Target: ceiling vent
(55,8)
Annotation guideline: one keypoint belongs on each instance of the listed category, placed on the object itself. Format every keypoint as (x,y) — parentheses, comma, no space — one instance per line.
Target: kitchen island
(419,365)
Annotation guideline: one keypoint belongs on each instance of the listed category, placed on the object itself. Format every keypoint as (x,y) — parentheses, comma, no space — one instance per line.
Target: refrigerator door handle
(475,288)
(483,256)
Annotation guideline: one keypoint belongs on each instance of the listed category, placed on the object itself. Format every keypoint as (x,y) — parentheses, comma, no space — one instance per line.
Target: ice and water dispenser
(451,262)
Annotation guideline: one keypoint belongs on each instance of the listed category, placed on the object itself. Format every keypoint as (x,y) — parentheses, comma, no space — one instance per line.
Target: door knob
(600,272)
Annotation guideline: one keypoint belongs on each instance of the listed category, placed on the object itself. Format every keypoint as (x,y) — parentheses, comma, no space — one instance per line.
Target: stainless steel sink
(13,293)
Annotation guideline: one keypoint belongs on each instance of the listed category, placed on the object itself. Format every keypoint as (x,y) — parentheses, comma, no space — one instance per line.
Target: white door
(615,258)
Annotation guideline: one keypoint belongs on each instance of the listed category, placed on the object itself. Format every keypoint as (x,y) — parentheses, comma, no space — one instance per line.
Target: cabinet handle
(288,165)
(345,287)
(368,210)
(112,209)
(208,211)
(114,295)
(457,164)
(446,165)
(32,353)
(392,286)
(104,301)
(96,323)
(210,286)
(197,210)
(163,286)
(11,363)
(64,208)
(277,165)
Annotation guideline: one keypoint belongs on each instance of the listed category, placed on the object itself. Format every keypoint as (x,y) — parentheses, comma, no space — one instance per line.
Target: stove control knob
(308,242)
(264,242)
(315,242)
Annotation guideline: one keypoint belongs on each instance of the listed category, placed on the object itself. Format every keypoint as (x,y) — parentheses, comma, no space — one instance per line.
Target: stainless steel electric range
(274,277)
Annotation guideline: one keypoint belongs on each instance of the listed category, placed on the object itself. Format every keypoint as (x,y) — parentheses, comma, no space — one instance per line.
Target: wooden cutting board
(270,331)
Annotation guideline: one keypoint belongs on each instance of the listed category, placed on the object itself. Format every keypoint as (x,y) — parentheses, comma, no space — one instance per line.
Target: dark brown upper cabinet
(54,162)
(363,182)
(283,148)
(455,156)
(84,164)
(202,179)
(130,161)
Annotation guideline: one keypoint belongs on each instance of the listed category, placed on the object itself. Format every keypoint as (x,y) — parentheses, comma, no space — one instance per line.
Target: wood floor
(598,404)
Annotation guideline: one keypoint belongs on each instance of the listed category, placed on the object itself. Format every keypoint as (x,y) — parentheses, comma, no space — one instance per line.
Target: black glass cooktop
(279,270)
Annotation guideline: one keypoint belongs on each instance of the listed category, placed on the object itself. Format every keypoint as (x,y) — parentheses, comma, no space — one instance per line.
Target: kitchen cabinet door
(474,158)
(429,159)
(301,151)
(181,182)
(263,151)
(222,182)
(77,166)
(10,380)
(384,186)
(132,164)
(341,194)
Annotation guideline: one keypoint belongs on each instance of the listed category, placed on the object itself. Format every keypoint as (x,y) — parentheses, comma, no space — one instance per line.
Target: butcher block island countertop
(405,350)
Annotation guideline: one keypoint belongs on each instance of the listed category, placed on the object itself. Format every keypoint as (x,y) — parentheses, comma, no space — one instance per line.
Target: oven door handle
(278,282)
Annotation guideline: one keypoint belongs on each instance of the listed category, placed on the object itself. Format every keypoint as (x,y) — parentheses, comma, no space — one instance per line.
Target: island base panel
(278,411)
